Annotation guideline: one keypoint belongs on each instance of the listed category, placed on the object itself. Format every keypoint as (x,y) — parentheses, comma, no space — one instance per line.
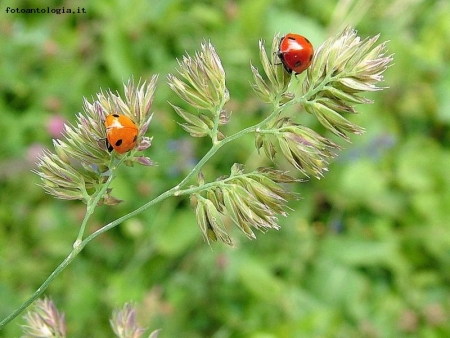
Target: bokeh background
(364,253)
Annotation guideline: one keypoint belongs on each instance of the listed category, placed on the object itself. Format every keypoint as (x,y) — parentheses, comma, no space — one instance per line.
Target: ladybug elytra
(121,133)
(295,52)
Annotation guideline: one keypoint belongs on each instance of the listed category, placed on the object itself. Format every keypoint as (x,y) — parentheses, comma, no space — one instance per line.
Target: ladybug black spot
(134,138)
(115,115)
(308,41)
(298,64)
(109,147)
(310,58)
(118,143)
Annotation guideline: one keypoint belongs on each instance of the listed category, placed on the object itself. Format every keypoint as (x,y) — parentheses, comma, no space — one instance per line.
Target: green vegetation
(364,253)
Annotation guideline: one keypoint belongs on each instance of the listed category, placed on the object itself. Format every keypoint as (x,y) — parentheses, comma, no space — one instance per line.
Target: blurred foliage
(366,253)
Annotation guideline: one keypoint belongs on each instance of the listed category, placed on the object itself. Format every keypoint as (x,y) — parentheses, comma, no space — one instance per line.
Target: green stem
(215,129)
(175,191)
(314,90)
(77,246)
(111,225)
(220,144)
(43,287)
(92,203)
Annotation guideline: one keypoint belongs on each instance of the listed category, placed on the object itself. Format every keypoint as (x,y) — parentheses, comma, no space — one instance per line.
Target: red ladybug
(121,133)
(295,52)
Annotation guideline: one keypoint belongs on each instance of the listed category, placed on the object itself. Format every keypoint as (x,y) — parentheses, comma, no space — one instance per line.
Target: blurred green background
(366,253)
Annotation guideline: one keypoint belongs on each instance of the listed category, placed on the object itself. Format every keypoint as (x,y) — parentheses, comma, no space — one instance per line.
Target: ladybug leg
(288,69)
(104,144)
(280,56)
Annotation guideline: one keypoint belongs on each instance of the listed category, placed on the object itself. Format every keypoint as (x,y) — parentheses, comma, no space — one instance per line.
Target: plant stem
(220,144)
(215,129)
(43,287)
(175,191)
(92,204)
(77,246)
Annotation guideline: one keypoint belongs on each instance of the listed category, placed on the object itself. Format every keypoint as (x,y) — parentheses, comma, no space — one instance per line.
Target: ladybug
(121,133)
(295,52)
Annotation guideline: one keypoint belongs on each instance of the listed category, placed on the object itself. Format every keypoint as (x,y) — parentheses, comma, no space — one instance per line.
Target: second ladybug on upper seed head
(295,52)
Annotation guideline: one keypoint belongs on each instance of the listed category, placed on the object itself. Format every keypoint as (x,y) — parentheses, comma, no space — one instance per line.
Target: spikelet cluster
(80,161)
